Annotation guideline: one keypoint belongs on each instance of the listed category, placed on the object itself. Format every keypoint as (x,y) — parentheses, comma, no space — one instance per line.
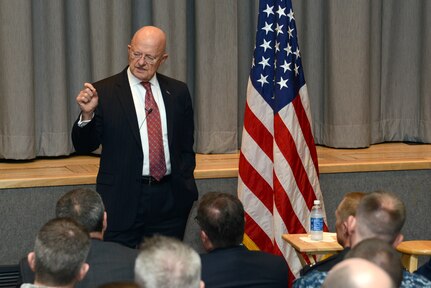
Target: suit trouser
(157,214)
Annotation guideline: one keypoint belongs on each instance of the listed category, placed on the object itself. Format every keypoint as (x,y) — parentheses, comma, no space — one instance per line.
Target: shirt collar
(135,81)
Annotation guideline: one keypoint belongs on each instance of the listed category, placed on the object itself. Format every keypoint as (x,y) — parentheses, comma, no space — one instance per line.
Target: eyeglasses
(147,58)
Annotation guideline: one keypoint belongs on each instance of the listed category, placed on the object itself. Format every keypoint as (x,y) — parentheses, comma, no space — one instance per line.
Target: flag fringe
(249,243)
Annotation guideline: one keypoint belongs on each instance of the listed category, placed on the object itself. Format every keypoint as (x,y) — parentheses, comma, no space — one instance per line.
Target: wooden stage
(78,170)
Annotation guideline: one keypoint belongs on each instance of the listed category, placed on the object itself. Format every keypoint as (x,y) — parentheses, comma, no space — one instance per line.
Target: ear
(164,57)
(203,236)
(83,271)
(345,228)
(31,259)
(206,242)
(105,221)
(351,224)
(202,284)
(398,240)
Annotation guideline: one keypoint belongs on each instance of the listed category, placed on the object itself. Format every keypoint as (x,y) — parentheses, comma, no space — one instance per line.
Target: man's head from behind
(380,214)
(346,208)
(380,253)
(221,219)
(85,206)
(357,273)
(60,250)
(167,262)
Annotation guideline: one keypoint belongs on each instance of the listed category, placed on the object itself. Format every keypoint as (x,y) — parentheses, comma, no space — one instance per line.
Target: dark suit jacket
(115,126)
(326,264)
(109,262)
(239,267)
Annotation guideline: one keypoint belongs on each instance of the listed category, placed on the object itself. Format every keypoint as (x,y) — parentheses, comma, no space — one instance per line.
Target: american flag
(278,169)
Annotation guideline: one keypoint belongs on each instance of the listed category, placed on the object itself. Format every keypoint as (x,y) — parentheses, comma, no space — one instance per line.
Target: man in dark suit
(109,261)
(144,122)
(228,263)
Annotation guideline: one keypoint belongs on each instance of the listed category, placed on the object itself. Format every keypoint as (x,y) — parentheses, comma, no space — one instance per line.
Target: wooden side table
(411,250)
(303,244)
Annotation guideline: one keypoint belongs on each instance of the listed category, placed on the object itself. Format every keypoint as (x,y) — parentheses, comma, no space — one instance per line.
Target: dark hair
(221,216)
(83,205)
(380,214)
(61,248)
(382,254)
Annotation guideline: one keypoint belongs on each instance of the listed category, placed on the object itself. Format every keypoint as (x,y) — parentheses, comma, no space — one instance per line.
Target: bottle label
(316,224)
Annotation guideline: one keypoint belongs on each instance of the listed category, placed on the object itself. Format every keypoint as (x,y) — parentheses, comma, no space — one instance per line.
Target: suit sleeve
(188,156)
(88,138)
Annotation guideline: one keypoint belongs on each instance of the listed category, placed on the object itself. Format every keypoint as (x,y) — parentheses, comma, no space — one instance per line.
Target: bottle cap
(316,202)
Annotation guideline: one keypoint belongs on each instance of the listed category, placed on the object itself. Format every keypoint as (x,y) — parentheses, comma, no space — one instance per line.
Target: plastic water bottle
(316,221)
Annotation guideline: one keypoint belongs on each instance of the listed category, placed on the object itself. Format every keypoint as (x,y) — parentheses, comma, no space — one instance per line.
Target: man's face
(144,59)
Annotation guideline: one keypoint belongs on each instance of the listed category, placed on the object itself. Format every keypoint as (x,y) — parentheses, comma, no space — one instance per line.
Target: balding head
(150,35)
(380,214)
(147,51)
(357,273)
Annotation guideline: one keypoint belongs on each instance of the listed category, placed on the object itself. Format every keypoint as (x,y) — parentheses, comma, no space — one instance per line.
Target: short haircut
(221,217)
(61,248)
(349,204)
(165,262)
(382,254)
(380,214)
(83,205)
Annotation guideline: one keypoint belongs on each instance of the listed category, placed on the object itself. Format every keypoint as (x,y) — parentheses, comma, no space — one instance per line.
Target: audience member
(379,215)
(382,254)
(425,270)
(109,261)
(346,208)
(228,263)
(60,250)
(357,273)
(165,262)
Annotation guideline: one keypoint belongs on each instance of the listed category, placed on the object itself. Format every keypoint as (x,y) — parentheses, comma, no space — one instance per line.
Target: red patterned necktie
(155,139)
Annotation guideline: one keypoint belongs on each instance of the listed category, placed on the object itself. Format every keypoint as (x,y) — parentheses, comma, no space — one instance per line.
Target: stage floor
(78,170)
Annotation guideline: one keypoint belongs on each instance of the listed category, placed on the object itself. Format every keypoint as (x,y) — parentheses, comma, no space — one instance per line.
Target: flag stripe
(288,148)
(306,129)
(258,132)
(254,231)
(260,187)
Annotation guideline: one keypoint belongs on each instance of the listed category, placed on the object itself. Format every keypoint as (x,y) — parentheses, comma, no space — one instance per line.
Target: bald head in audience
(382,254)
(357,273)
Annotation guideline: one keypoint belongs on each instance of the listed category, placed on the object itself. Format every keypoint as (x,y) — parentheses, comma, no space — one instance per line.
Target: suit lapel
(124,95)
(167,99)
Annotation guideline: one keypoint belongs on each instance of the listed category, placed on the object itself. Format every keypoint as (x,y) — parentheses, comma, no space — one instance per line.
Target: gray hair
(165,262)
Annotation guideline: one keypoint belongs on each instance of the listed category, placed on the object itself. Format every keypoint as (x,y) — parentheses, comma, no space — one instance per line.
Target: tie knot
(147,85)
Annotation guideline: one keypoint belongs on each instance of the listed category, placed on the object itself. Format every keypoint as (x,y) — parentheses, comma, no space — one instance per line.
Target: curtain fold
(367,66)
